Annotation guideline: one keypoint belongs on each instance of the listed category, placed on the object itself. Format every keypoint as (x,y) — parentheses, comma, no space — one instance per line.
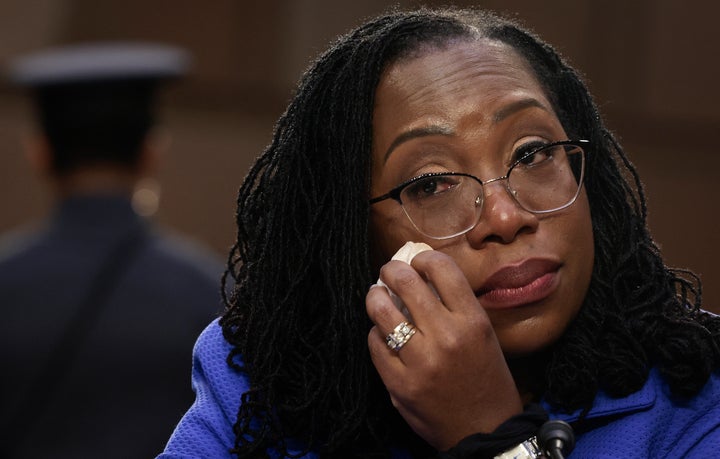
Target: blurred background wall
(652,65)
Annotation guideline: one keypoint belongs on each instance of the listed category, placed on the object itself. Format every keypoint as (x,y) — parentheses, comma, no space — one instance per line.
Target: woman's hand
(450,380)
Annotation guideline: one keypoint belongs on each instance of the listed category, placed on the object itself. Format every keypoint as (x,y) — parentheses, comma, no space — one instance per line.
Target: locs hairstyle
(296,318)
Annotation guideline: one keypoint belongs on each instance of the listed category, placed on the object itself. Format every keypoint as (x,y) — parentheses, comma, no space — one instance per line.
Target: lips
(519,285)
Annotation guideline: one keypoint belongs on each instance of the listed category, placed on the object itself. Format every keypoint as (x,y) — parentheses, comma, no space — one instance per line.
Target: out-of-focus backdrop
(652,65)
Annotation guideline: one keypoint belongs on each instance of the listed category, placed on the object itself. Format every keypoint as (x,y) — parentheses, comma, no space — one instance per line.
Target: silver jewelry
(526,450)
(400,336)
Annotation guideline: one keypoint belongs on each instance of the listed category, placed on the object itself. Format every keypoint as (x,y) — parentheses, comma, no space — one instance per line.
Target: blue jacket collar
(605,405)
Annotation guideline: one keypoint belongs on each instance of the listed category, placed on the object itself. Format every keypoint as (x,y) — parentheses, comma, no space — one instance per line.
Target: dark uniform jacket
(99,315)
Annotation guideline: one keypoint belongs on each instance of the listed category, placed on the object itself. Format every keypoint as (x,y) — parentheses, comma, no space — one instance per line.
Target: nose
(502,219)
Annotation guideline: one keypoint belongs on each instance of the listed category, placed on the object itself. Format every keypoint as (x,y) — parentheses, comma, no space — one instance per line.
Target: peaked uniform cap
(99,62)
(95,102)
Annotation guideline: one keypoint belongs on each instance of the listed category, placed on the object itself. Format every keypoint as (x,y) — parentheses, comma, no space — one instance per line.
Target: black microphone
(556,438)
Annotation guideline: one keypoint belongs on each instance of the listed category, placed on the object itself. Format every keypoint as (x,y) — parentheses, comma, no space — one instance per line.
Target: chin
(527,337)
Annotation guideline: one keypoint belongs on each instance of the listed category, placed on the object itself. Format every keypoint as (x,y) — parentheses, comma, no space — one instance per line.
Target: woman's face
(469,108)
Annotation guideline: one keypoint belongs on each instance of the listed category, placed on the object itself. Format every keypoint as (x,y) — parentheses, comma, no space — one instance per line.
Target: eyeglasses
(442,205)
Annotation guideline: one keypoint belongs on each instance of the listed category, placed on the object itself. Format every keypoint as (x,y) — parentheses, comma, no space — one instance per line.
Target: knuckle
(482,327)
(413,389)
(399,275)
(383,313)
(442,260)
(406,280)
(374,345)
(374,297)
(437,259)
(449,343)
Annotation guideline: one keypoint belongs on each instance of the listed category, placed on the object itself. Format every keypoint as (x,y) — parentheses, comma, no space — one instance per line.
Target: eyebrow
(498,117)
(515,107)
(415,133)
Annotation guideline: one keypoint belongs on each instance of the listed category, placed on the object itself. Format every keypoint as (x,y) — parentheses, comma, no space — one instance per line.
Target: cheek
(389,230)
(580,255)
(381,238)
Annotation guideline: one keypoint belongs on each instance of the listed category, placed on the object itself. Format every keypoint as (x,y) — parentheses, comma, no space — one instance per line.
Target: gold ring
(400,336)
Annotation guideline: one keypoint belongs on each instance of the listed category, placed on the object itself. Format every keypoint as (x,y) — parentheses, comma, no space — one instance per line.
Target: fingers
(450,283)
(386,316)
(411,290)
(432,286)
(450,379)
(382,311)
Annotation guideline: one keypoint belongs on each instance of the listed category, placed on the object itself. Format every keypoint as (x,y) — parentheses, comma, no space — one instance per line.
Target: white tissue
(406,253)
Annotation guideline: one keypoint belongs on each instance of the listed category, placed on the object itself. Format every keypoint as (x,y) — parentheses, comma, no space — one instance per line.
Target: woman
(544,297)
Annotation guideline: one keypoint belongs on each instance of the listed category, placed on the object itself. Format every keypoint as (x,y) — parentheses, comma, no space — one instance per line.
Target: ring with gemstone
(400,336)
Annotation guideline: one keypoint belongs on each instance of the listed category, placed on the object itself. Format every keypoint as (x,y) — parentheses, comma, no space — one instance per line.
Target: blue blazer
(650,423)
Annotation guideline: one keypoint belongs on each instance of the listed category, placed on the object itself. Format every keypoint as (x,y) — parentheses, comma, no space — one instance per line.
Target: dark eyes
(430,185)
(527,155)
(532,153)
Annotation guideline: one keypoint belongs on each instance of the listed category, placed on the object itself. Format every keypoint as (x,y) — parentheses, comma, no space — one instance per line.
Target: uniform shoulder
(187,251)
(15,242)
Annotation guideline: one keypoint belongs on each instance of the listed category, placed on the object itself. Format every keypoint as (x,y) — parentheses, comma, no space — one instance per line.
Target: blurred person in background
(101,308)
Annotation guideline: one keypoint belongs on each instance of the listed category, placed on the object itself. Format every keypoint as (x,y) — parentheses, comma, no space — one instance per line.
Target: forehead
(455,75)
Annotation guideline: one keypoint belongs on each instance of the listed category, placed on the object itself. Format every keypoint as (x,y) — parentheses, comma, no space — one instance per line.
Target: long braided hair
(296,318)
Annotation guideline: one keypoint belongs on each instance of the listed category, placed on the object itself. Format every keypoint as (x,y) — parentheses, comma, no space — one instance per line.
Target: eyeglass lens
(446,205)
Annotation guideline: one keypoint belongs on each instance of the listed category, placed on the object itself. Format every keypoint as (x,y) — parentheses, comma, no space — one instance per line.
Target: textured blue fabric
(206,429)
(124,390)
(650,423)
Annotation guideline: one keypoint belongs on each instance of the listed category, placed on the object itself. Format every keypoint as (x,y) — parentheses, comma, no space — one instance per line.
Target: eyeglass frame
(394,193)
